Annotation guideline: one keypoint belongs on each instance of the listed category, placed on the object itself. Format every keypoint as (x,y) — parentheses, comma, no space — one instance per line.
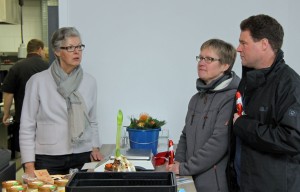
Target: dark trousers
(13,130)
(61,164)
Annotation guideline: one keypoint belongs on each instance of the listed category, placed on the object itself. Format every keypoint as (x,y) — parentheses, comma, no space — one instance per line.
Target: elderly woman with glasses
(59,129)
(202,148)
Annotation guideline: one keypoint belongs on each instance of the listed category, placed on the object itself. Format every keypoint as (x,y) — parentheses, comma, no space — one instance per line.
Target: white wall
(10,35)
(142,52)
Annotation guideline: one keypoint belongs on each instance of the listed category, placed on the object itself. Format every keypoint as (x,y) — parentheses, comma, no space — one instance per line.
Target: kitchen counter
(107,149)
(5,67)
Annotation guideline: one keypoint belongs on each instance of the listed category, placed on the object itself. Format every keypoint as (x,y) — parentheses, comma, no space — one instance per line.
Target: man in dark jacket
(265,140)
(14,85)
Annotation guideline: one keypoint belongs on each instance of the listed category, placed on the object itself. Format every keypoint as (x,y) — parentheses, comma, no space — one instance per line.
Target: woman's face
(209,71)
(70,60)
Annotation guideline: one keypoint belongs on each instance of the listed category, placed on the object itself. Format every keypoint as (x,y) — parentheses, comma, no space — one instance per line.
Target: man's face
(250,51)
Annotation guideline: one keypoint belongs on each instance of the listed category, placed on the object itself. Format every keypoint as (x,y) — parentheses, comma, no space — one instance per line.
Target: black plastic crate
(122,181)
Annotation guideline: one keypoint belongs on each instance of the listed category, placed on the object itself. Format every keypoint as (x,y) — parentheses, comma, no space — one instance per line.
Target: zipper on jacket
(206,115)
(218,185)
(193,115)
(192,120)
(204,121)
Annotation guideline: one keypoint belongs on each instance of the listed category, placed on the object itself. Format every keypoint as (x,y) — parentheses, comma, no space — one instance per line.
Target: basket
(122,181)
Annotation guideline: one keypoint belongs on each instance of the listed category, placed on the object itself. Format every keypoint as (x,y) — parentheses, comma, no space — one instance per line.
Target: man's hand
(235,116)
(7,102)
(5,119)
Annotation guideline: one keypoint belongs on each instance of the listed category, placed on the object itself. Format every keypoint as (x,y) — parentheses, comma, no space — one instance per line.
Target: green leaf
(119,130)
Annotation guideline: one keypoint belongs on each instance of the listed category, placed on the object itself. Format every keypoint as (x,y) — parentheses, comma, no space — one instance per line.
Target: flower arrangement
(145,121)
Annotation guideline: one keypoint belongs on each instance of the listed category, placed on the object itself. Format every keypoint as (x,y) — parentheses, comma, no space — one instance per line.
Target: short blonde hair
(225,51)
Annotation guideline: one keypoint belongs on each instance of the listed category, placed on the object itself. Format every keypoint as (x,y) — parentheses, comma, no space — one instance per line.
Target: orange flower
(145,121)
(144,116)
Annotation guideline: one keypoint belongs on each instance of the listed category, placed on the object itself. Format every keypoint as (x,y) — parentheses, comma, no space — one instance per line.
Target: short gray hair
(59,36)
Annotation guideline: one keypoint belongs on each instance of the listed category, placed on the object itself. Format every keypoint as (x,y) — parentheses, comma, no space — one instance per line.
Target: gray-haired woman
(59,128)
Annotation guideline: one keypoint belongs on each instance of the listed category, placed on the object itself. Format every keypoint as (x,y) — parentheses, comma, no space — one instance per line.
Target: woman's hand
(173,167)
(29,171)
(96,154)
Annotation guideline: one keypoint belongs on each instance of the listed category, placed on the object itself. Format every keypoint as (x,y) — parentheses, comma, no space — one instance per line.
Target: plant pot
(144,138)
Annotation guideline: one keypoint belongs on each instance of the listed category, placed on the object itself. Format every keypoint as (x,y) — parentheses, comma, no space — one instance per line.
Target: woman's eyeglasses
(72,48)
(207,60)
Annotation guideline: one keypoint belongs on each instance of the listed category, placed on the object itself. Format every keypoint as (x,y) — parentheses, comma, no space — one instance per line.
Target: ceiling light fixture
(22,52)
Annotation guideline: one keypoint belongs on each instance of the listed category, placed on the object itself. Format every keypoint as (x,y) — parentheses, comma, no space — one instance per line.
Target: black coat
(270,130)
(17,77)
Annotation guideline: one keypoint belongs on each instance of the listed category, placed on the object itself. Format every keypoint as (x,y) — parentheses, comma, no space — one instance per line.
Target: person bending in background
(265,150)
(202,148)
(59,128)
(14,85)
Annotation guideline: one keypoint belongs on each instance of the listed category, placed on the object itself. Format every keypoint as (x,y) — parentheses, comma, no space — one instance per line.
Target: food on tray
(58,177)
(47,188)
(108,167)
(34,185)
(120,164)
(44,176)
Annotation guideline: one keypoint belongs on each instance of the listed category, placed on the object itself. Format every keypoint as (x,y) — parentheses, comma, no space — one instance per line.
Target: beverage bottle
(171,152)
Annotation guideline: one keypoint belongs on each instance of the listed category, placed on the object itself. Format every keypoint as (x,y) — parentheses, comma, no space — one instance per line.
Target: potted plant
(144,132)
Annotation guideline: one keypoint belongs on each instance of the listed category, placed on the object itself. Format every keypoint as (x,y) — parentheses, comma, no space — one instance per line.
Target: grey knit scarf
(67,86)
(204,88)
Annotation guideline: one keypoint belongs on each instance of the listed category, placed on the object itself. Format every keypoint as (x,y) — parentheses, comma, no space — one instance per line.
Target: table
(8,173)
(107,149)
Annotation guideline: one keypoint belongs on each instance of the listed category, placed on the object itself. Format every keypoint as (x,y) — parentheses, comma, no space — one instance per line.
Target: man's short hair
(34,45)
(263,26)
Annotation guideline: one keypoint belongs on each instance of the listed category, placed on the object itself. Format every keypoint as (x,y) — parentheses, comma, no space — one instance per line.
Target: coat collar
(256,77)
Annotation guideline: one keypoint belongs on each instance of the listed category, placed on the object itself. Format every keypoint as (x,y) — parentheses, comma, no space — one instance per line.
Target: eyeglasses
(72,48)
(207,60)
